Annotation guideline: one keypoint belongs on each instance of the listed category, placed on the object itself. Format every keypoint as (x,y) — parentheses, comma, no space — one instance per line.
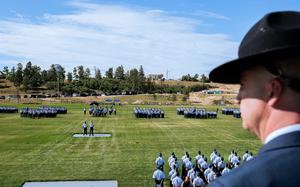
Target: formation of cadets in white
(148,112)
(8,109)
(98,111)
(197,171)
(197,113)
(232,111)
(43,111)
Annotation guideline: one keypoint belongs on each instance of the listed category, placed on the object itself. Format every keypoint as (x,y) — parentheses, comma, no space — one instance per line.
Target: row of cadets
(158,174)
(8,109)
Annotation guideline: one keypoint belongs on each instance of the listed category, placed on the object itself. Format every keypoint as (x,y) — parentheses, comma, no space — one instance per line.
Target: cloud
(104,36)
(210,14)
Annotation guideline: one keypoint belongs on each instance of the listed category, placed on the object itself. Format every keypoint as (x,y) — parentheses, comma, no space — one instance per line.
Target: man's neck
(278,119)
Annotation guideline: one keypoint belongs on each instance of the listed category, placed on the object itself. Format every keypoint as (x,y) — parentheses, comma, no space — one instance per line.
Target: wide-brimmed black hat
(275,36)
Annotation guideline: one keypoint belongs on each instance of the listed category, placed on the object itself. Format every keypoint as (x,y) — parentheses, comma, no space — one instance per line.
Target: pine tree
(98,74)
(109,73)
(119,73)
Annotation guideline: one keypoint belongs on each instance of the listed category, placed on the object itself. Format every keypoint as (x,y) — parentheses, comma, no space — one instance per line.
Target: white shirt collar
(282,131)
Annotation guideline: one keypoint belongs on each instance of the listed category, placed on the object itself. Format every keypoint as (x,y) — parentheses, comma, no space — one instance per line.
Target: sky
(172,37)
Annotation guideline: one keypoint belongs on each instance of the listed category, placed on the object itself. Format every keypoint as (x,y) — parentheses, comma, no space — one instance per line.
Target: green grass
(43,149)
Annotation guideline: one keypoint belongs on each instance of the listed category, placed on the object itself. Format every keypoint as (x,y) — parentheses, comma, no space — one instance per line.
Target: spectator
(269,96)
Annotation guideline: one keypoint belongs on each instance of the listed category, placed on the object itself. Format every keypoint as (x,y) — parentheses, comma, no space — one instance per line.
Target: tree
(109,73)
(141,72)
(5,72)
(133,79)
(119,73)
(61,73)
(204,78)
(44,75)
(98,74)
(27,76)
(195,78)
(87,73)
(12,74)
(19,75)
(32,76)
(52,74)
(69,77)
(75,74)
(141,79)
(81,73)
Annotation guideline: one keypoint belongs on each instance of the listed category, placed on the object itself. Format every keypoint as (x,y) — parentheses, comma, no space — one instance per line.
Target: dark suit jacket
(277,164)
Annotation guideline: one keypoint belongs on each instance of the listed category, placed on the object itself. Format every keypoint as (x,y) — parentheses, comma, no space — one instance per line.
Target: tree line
(80,80)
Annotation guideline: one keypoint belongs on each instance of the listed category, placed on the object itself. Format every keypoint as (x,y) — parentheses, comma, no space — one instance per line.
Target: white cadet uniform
(171,173)
(216,160)
(213,154)
(176,163)
(171,158)
(84,125)
(185,160)
(160,161)
(204,165)
(198,182)
(211,177)
(183,157)
(158,175)
(177,181)
(188,165)
(171,162)
(200,161)
(234,160)
(225,171)
(173,176)
(249,158)
(221,165)
(213,157)
(230,156)
(191,174)
(206,172)
(245,156)
(197,158)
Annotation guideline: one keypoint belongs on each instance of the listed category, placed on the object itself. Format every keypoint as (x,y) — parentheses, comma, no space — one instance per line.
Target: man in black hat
(268,70)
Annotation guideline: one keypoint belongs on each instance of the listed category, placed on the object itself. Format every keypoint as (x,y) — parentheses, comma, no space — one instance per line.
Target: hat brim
(230,72)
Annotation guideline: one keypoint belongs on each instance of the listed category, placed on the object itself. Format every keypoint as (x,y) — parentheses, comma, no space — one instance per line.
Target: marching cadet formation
(8,109)
(44,111)
(148,112)
(196,113)
(99,111)
(232,111)
(197,171)
(60,110)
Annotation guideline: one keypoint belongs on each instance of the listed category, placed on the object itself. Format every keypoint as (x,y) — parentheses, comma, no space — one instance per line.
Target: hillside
(194,98)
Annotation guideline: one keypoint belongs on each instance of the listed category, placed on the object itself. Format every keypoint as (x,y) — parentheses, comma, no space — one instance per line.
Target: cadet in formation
(148,112)
(8,109)
(38,113)
(196,113)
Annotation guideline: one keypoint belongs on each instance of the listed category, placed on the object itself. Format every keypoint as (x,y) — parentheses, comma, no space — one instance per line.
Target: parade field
(45,150)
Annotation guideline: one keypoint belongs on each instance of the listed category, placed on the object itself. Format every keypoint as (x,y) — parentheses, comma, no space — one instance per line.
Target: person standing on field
(84,127)
(92,128)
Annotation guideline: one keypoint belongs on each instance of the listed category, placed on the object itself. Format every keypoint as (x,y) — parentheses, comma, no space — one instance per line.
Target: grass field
(43,149)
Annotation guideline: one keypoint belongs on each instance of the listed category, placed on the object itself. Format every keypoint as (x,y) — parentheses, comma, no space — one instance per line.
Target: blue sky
(178,36)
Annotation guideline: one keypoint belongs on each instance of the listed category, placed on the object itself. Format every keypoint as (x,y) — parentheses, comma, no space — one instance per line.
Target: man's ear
(275,91)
